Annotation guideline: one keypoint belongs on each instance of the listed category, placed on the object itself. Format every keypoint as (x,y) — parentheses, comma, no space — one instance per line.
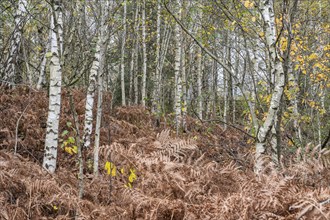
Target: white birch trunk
(184,88)
(122,58)
(42,72)
(11,74)
(136,74)
(267,11)
(156,90)
(90,96)
(135,41)
(51,141)
(199,83)
(214,89)
(131,81)
(144,52)
(99,112)
(104,43)
(177,64)
(253,98)
(228,92)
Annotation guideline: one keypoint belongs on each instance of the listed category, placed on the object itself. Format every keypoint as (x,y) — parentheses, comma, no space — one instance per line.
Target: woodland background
(157,109)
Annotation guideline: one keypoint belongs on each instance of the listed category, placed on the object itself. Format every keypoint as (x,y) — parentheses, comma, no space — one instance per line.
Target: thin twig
(17,124)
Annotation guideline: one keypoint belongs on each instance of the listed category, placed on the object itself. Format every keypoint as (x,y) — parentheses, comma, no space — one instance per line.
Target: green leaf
(71,140)
(69,124)
(65,132)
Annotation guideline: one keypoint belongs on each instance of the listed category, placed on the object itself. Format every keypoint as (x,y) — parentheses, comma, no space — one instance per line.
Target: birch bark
(11,74)
(88,126)
(42,72)
(276,67)
(199,83)
(122,58)
(144,50)
(104,40)
(156,90)
(133,54)
(177,65)
(51,141)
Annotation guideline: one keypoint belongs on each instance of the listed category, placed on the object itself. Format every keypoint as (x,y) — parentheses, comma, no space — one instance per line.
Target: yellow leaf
(261,34)
(286,114)
(313,56)
(114,170)
(132,176)
(250,141)
(55,207)
(74,149)
(107,167)
(122,170)
(253,19)
(68,150)
(248,4)
(323,111)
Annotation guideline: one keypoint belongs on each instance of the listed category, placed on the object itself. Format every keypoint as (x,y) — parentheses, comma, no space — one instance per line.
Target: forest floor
(205,173)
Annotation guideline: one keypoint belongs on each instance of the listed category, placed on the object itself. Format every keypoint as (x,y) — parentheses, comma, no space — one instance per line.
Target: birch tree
(135,41)
(13,74)
(199,83)
(156,90)
(88,126)
(51,141)
(144,52)
(42,72)
(267,12)
(104,8)
(177,66)
(199,74)
(122,58)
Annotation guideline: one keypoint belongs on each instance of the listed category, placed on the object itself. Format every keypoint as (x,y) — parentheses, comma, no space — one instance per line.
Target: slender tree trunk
(51,141)
(104,42)
(164,50)
(267,11)
(252,103)
(122,59)
(13,74)
(133,54)
(41,79)
(184,88)
(237,62)
(276,138)
(136,72)
(294,90)
(215,89)
(199,83)
(99,112)
(177,65)
(88,127)
(90,96)
(156,90)
(144,49)
(228,99)
(2,24)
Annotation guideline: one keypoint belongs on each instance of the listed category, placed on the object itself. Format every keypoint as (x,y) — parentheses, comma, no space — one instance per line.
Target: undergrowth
(203,174)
